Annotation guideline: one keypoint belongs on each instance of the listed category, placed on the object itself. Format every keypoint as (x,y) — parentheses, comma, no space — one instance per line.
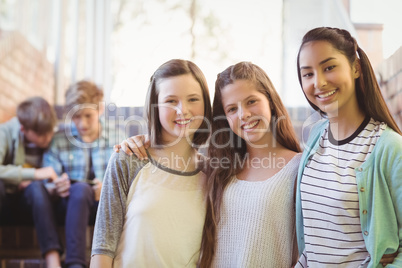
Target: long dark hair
(225,144)
(368,93)
(169,69)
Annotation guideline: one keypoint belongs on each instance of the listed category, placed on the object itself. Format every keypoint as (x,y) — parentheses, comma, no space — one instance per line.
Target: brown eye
(231,110)
(329,68)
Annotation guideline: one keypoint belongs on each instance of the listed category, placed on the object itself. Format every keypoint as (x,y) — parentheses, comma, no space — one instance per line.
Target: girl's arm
(101,261)
(111,210)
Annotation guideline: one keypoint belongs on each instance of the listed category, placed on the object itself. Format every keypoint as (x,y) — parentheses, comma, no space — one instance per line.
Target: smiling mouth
(325,95)
(183,122)
(250,125)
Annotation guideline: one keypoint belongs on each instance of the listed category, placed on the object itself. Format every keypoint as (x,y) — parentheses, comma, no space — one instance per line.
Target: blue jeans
(77,210)
(39,202)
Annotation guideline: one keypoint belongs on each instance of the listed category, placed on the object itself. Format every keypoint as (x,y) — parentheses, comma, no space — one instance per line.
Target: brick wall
(24,72)
(19,247)
(390,72)
(370,40)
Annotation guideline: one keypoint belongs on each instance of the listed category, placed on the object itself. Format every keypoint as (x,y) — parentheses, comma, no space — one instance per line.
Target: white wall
(299,17)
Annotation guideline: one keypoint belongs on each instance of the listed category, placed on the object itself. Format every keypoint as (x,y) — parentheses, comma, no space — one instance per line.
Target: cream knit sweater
(257,226)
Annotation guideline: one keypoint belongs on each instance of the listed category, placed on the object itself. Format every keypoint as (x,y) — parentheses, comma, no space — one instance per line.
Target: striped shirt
(330,200)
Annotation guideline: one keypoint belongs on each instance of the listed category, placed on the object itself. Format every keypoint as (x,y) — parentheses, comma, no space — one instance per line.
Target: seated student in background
(23,141)
(79,154)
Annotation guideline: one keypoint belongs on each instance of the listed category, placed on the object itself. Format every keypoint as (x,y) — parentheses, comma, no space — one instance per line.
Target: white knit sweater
(257,222)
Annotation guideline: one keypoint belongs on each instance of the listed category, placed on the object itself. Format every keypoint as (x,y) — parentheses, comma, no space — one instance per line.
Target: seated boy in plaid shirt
(79,154)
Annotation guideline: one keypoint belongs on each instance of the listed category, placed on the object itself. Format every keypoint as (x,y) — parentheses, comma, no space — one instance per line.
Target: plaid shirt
(69,154)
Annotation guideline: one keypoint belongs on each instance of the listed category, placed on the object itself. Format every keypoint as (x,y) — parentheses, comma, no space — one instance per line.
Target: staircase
(19,247)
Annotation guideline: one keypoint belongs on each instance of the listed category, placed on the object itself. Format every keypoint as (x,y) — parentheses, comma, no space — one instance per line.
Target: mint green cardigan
(379,184)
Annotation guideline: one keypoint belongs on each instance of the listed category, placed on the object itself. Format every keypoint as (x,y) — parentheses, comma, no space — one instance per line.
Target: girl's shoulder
(311,131)
(319,126)
(295,158)
(289,159)
(289,155)
(387,151)
(173,163)
(124,161)
(390,139)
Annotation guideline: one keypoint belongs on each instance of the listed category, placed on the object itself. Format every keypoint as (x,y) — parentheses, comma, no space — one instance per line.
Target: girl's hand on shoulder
(135,144)
(388,258)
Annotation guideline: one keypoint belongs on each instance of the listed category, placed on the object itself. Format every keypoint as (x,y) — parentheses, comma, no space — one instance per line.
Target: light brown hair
(83,92)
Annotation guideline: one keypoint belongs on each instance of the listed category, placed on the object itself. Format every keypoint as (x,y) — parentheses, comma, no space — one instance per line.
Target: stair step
(19,246)
(22,263)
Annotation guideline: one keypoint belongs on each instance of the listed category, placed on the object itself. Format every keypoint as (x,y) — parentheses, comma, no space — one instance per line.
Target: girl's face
(328,80)
(181,107)
(247,111)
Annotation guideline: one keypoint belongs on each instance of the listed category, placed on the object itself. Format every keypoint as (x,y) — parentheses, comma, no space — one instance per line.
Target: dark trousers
(76,211)
(2,195)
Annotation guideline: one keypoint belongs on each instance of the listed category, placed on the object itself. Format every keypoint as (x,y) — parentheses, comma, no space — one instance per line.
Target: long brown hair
(369,97)
(172,68)
(225,144)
